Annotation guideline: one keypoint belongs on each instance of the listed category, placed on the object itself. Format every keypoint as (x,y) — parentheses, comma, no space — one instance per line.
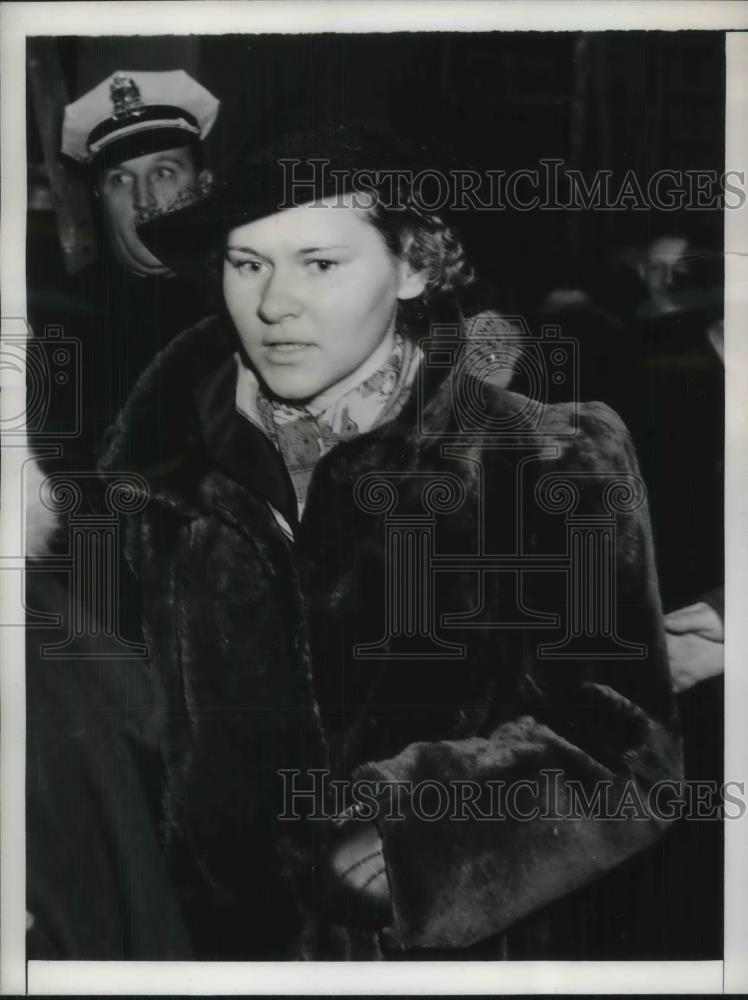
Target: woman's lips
(285,352)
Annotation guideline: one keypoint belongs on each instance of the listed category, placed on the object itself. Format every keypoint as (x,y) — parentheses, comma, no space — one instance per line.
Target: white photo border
(20,20)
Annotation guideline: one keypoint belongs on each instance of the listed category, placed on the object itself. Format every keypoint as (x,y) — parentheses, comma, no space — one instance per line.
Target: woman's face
(313,292)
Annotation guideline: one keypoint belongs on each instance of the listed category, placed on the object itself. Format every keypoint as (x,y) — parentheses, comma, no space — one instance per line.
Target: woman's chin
(293,387)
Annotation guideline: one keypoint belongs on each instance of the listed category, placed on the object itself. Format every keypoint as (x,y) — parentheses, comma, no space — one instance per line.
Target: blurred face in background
(313,292)
(665,268)
(135,189)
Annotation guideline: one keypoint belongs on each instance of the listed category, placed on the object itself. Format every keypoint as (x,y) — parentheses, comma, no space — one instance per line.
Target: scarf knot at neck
(304,433)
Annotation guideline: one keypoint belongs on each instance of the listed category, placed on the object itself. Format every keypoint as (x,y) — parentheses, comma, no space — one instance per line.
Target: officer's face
(133,189)
(313,292)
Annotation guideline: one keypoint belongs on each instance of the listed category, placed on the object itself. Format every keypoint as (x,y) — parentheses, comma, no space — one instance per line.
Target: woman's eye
(246,266)
(321,266)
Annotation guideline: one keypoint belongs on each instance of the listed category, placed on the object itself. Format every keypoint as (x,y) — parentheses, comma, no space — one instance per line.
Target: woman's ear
(412,282)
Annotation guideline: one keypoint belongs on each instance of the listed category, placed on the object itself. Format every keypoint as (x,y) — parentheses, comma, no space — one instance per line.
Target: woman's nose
(279,298)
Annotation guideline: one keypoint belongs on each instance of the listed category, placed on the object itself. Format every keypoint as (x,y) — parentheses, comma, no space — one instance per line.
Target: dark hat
(295,169)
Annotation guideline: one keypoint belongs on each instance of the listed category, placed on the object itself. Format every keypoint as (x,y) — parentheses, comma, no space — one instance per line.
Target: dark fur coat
(278,655)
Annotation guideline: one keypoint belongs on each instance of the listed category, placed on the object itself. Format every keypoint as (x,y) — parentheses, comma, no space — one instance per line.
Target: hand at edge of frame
(359,886)
(695,644)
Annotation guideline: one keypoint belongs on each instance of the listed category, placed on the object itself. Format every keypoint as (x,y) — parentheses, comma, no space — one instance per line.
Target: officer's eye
(118,179)
(165,173)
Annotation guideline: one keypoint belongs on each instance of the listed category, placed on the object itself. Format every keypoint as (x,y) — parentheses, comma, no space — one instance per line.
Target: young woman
(386,687)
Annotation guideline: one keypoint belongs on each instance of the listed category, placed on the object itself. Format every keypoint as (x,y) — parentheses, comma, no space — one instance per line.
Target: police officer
(139,135)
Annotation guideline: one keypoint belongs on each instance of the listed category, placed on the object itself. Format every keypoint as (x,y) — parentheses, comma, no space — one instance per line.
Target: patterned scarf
(303,434)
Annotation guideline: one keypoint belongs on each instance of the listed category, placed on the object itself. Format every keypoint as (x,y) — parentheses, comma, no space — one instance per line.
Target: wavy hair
(427,243)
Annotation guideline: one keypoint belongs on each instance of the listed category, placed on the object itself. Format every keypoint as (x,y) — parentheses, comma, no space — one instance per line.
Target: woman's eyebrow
(255,253)
(318,249)
(299,253)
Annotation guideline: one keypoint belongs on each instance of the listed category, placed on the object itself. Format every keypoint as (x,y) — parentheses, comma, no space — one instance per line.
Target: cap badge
(126,99)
